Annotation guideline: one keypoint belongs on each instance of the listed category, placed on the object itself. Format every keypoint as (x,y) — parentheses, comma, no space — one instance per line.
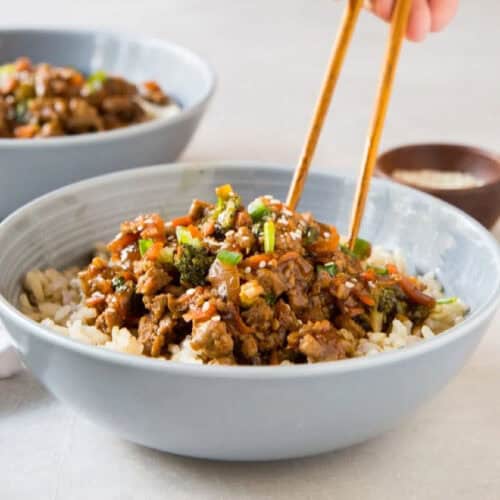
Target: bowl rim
(476,150)
(129,131)
(31,327)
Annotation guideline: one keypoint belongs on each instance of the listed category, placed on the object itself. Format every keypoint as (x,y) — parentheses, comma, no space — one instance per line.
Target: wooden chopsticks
(337,57)
(396,36)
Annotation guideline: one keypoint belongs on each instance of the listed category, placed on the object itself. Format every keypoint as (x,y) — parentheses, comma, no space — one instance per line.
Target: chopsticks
(337,57)
(396,36)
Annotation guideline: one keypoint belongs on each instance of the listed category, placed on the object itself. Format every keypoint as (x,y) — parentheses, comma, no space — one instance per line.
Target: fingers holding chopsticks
(426,15)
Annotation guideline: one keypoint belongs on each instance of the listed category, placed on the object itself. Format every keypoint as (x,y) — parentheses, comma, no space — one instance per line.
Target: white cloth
(10,362)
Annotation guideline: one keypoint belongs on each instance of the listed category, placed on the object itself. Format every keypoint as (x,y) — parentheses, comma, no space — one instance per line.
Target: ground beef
(318,341)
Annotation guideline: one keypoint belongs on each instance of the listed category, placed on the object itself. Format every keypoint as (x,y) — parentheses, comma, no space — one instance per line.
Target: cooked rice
(54,299)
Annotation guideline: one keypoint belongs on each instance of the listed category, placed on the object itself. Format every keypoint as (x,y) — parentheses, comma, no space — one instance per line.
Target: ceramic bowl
(481,202)
(29,168)
(237,412)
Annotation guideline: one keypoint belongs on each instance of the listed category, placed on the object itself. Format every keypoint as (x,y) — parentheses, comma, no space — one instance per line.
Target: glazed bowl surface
(246,413)
(31,167)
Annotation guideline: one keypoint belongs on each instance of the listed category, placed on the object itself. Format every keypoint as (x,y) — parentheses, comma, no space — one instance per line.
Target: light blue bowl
(29,168)
(236,412)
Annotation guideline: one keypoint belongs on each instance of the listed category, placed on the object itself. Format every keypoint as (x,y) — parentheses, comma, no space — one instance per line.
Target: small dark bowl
(482,202)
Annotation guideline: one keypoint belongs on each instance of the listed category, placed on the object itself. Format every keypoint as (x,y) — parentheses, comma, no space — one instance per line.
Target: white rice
(54,299)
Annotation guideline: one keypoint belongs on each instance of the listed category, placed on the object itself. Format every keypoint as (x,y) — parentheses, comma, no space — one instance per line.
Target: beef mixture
(44,101)
(255,285)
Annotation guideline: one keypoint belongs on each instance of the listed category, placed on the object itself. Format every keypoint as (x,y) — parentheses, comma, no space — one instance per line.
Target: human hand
(426,15)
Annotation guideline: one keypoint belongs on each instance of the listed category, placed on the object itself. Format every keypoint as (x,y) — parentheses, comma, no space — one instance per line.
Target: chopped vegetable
(250,292)
(193,264)
(269,236)
(228,257)
(227,215)
(224,192)
(166,256)
(96,80)
(258,210)
(144,246)
(184,220)
(414,294)
(362,249)
(254,260)
(184,237)
(331,268)
(447,300)
(118,284)
(271,299)
(381,271)
(312,234)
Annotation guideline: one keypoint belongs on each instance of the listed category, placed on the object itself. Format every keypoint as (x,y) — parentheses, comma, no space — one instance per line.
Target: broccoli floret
(418,313)
(193,264)
(227,212)
(390,302)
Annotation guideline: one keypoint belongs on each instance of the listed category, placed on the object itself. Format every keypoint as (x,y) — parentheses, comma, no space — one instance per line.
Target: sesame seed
(326,234)
(190,291)
(329,263)
(348,284)
(216,318)
(205,306)
(262,264)
(248,269)
(287,212)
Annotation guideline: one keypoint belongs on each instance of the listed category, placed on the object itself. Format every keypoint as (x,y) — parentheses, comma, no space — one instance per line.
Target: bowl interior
(180,72)
(441,157)
(61,228)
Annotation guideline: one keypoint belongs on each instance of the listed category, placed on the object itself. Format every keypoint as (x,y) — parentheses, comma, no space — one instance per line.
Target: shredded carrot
(26,131)
(185,220)
(254,260)
(208,228)
(154,250)
(151,85)
(121,241)
(77,79)
(369,275)
(22,64)
(366,299)
(392,269)
(195,232)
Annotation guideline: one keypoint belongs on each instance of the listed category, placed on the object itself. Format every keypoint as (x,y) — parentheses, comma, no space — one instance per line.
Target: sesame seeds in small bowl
(464,176)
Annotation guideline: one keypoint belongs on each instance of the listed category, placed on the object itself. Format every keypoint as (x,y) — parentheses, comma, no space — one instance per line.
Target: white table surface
(270,56)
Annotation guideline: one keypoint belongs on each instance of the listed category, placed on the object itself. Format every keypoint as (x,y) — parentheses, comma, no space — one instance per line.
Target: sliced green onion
(345,249)
(331,268)
(96,79)
(258,210)
(362,248)
(184,237)
(447,300)
(269,236)
(270,298)
(144,246)
(228,257)
(166,256)
(381,271)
